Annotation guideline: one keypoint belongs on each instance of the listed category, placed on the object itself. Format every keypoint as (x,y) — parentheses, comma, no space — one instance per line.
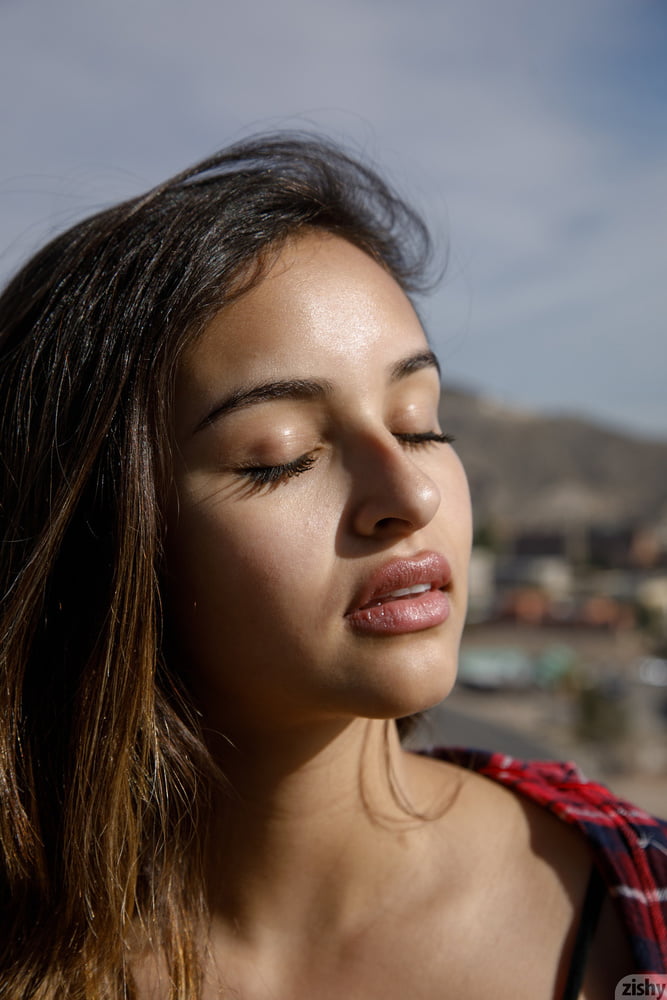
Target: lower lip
(406,614)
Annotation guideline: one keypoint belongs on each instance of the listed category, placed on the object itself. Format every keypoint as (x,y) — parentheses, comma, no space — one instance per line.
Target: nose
(393,496)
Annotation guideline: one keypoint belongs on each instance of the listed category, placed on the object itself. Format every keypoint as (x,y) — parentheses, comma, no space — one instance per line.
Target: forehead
(324,309)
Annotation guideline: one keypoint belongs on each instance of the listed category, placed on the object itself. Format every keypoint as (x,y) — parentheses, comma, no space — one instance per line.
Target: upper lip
(426,567)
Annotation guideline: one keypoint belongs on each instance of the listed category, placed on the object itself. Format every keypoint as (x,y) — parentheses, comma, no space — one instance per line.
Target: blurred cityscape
(565,652)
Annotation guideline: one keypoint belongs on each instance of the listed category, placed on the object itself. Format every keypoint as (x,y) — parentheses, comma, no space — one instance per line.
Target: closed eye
(270,476)
(267,477)
(424,438)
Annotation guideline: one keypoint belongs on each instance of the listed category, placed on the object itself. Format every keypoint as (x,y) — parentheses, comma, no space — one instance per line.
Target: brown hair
(104,776)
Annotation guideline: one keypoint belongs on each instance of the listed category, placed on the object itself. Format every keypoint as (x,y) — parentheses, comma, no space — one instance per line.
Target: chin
(407,691)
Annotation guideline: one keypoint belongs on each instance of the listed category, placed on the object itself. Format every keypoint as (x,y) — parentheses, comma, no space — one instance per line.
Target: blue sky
(532,134)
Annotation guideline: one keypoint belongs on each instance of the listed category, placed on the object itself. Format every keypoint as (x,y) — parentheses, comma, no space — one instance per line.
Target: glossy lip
(411,613)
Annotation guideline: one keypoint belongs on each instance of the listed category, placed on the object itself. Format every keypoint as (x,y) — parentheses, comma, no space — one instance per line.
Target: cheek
(455,499)
(244,589)
(232,566)
(464,513)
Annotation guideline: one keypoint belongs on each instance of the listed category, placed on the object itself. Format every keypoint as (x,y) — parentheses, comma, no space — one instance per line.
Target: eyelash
(272,475)
(427,437)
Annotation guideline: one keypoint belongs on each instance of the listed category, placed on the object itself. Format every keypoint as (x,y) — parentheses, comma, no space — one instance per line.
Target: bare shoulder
(527,877)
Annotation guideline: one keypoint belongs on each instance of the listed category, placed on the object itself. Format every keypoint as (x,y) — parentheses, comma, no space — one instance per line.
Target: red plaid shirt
(629,845)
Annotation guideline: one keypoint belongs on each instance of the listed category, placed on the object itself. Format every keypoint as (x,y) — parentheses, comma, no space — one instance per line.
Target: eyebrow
(415,363)
(294,388)
(305,388)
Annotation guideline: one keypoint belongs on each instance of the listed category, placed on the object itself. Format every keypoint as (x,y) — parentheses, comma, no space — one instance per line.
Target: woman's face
(311,492)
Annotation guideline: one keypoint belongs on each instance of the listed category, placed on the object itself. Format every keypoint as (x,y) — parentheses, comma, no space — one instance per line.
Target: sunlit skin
(325,880)
(264,574)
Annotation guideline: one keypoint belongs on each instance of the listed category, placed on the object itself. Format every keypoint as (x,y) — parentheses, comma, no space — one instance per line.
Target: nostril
(391,523)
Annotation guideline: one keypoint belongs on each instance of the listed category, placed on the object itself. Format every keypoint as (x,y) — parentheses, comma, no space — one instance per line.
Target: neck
(317,823)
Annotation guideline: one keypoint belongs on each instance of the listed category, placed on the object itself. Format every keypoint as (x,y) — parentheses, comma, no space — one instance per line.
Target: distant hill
(541,471)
